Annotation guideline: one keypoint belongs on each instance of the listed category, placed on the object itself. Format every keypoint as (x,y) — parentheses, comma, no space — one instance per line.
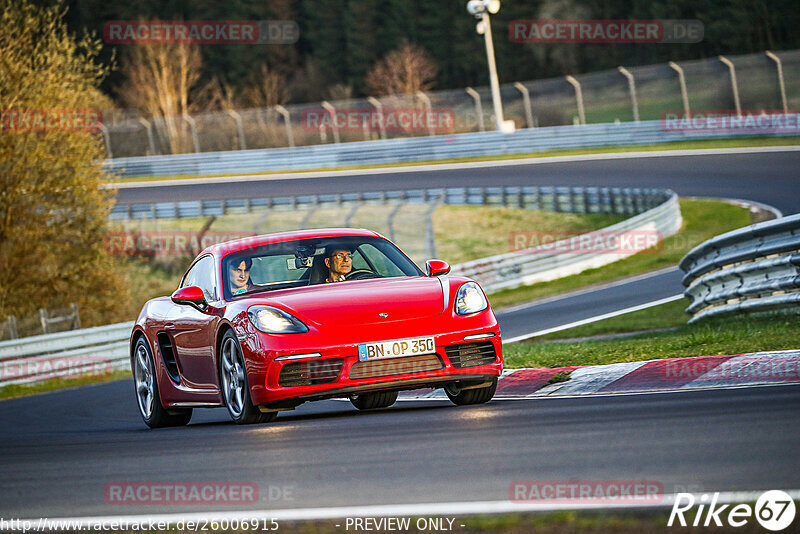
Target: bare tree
(405,70)
(217,94)
(267,89)
(160,78)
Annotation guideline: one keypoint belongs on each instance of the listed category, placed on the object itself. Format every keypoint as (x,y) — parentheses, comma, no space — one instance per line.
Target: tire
(148,398)
(374,401)
(470,396)
(234,386)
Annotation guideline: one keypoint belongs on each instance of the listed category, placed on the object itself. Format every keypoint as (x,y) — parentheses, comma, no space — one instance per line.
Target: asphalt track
(772,178)
(60,450)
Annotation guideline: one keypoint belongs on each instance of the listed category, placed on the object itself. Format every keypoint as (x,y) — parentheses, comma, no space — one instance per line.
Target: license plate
(396,348)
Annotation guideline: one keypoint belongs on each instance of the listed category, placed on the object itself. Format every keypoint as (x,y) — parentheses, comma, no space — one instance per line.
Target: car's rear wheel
(374,401)
(463,397)
(234,384)
(146,386)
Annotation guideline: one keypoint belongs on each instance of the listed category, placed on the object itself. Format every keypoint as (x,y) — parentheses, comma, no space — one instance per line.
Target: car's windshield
(303,262)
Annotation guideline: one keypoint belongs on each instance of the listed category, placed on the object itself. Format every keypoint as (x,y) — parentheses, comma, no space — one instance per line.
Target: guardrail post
(312,209)
(106,139)
(734,85)
(149,129)
(478,106)
(781,85)
(390,220)
(379,108)
(287,120)
(430,238)
(43,317)
(526,103)
(76,316)
(12,327)
(632,90)
(422,96)
(193,129)
(327,106)
(684,93)
(239,127)
(352,214)
(579,97)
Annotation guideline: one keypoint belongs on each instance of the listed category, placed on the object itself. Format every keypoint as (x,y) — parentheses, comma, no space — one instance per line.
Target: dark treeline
(342,39)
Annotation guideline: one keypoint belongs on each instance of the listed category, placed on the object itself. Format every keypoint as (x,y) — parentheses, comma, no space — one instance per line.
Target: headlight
(470,299)
(274,321)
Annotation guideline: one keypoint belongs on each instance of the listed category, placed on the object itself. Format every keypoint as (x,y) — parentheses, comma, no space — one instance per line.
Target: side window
(383,266)
(202,275)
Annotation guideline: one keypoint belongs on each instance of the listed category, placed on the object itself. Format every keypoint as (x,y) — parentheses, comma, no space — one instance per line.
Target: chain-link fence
(637,93)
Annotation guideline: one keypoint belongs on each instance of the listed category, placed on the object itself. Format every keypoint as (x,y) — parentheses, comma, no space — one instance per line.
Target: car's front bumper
(337,371)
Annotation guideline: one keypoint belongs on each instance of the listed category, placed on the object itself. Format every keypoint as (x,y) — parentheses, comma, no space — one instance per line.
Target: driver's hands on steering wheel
(361,274)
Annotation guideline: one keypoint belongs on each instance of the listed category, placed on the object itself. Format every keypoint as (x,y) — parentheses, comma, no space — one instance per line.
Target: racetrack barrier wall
(749,270)
(412,149)
(65,354)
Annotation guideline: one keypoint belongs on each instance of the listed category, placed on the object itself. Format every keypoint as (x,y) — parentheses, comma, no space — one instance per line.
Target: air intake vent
(310,372)
(396,366)
(471,354)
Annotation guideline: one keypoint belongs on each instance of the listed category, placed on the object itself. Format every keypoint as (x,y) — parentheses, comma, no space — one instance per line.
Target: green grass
(676,145)
(465,233)
(669,315)
(702,219)
(22,390)
(734,335)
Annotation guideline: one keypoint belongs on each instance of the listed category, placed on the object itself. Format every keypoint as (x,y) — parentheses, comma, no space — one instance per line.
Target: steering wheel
(361,274)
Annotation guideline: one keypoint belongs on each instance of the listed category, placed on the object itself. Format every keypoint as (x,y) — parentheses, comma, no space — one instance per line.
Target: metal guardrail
(752,269)
(611,200)
(554,260)
(415,149)
(65,354)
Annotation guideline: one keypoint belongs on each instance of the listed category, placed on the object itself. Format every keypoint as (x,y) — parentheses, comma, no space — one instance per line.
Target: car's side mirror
(436,267)
(191,295)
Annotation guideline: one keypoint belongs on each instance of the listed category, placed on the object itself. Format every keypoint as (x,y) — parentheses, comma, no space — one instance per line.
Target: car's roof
(223,249)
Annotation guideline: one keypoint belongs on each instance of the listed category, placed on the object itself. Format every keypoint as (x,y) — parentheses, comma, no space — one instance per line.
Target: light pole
(481,9)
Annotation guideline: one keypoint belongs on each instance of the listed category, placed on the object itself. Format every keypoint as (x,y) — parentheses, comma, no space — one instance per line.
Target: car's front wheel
(234,384)
(374,401)
(147,396)
(463,397)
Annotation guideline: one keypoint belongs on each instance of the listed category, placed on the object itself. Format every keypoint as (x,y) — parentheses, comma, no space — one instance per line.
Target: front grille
(396,366)
(471,354)
(310,372)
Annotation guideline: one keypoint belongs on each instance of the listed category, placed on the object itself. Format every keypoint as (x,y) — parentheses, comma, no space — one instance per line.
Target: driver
(339,261)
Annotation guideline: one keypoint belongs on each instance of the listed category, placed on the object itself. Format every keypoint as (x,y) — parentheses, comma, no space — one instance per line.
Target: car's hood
(362,301)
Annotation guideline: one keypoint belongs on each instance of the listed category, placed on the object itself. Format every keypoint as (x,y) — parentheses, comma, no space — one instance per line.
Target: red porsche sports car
(257,326)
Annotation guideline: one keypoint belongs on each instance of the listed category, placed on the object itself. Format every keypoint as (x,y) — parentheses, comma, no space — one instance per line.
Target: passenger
(339,261)
(240,276)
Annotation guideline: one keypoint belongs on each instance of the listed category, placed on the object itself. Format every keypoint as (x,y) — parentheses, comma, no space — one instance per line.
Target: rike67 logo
(774,510)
